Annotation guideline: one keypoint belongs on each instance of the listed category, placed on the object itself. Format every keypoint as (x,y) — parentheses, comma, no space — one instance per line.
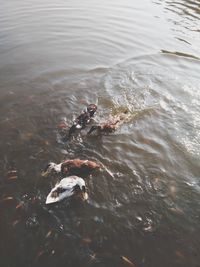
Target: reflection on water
(183,17)
(188,10)
(143,207)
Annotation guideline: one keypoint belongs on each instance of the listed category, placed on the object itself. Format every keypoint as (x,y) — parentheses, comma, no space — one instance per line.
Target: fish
(66,188)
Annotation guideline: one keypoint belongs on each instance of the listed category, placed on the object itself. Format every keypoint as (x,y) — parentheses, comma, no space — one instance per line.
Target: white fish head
(51,167)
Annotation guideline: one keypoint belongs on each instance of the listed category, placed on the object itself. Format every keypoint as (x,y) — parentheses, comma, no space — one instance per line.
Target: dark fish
(83,119)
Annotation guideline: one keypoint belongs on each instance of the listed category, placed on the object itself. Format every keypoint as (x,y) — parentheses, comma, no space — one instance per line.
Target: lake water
(55,58)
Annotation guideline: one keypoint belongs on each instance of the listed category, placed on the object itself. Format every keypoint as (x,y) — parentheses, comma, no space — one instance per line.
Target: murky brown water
(57,56)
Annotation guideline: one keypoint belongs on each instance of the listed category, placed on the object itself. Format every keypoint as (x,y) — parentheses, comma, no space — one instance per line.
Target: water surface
(55,58)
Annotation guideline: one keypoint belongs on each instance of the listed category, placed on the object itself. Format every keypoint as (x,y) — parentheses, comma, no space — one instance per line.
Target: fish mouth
(85,196)
(44,173)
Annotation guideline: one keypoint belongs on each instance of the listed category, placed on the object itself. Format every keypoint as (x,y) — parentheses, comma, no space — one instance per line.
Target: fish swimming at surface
(83,119)
(72,186)
(112,124)
(71,166)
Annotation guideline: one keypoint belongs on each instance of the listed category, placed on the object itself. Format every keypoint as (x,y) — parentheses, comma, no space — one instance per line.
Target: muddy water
(57,56)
